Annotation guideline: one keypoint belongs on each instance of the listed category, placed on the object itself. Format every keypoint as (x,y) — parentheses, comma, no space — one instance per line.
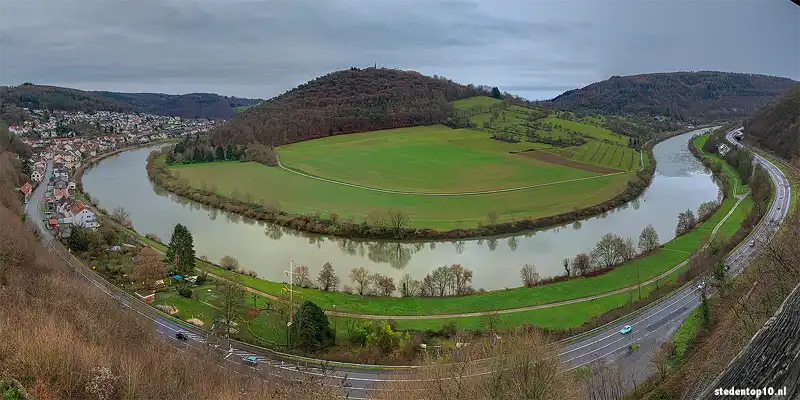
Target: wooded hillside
(193,105)
(354,100)
(776,126)
(691,96)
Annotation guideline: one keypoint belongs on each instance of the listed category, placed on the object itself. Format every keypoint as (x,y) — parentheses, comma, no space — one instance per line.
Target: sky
(533,48)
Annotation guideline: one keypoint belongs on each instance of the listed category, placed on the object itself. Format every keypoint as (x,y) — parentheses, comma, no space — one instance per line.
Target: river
(680,183)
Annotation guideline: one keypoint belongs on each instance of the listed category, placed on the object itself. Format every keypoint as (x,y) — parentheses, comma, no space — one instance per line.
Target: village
(54,141)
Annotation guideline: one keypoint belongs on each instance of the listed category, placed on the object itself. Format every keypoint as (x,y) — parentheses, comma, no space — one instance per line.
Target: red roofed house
(26,190)
(83,216)
(60,193)
(52,223)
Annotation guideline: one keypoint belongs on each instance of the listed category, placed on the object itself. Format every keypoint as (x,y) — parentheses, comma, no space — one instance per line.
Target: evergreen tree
(209,156)
(496,93)
(180,254)
(230,154)
(219,153)
(312,332)
(198,155)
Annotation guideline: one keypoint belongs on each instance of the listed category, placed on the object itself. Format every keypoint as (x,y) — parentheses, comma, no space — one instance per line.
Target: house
(26,190)
(52,223)
(63,206)
(37,175)
(58,194)
(83,216)
(71,185)
(61,183)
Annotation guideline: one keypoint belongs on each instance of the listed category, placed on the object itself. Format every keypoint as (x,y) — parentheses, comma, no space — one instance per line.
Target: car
(779,207)
(181,335)
(701,285)
(250,360)
(752,243)
(726,267)
(625,329)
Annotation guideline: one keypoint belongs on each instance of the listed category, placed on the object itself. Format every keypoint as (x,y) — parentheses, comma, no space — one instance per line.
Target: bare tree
(660,358)
(119,215)
(442,280)
(300,277)
(648,239)
(686,222)
(529,275)
(462,277)
(360,276)
(229,263)
(383,285)
(492,218)
(230,302)
(408,286)
(706,210)
(148,267)
(565,263)
(628,250)
(609,249)
(581,263)
(327,278)
(427,288)
(396,220)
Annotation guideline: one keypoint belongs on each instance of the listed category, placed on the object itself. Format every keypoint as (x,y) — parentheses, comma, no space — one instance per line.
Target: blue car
(625,329)
(251,361)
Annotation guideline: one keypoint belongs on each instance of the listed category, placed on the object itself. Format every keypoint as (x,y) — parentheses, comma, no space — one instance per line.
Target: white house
(37,175)
(82,216)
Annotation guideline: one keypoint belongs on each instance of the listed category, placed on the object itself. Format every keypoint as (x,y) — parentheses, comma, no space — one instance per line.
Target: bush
(153,237)
(185,291)
(201,279)
(449,329)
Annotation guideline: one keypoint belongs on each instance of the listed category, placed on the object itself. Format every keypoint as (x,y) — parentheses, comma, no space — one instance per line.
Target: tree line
(199,149)
(348,101)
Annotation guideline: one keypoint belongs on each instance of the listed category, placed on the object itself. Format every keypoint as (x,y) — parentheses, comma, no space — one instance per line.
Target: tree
(396,220)
(408,286)
(609,250)
(462,277)
(180,254)
(442,280)
(229,263)
(496,93)
(581,263)
(529,275)
(300,276)
(384,285)
(491,218)
(311,328)
(197,155)
(628,250)
(704,311)
(148,267)
(219,153)
(565,263)
(648,239)
(119,215)
(706,210)
(230,153)
(360,276)
(686,222)
(230,302)
(327,278)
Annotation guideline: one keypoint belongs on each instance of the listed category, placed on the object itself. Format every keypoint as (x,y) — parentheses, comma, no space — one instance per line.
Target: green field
(432,159)
(477,101)
(403,159)
(736,180)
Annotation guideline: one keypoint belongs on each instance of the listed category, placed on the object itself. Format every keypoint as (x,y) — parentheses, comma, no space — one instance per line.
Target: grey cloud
(261,48)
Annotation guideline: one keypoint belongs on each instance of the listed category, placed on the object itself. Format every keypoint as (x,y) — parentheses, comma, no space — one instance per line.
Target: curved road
(651,325)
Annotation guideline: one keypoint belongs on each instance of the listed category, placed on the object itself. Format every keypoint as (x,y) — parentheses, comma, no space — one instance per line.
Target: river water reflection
(680,183)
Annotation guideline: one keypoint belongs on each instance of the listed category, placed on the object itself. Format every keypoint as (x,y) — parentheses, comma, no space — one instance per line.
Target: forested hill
(354,100)
(776,126)
(193,105)
(691,96)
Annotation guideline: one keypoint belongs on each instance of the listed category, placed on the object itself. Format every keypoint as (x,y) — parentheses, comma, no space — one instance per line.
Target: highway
(651,325)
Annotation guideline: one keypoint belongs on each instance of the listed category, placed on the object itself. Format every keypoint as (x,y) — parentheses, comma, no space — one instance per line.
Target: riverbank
(673,253)
(159,174)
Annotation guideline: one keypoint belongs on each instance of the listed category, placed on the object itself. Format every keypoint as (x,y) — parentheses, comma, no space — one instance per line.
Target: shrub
(185,291)
(449,329)
(201,279)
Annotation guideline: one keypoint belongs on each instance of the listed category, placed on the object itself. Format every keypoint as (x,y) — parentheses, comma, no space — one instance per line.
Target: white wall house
(83,217)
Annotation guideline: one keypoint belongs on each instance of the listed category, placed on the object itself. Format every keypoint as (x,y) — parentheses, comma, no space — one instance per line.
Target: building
(26,190)
(82,216)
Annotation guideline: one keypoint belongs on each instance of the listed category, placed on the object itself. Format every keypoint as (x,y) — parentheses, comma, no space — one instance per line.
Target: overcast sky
(534,48)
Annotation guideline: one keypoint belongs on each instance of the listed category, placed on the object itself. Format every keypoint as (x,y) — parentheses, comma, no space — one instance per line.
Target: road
(660,321)
(651,326)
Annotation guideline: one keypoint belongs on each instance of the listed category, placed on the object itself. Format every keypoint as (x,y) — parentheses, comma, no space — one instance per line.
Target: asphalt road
(651,326)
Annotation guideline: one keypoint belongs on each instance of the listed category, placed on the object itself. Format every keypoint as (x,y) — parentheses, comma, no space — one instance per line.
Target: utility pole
(290,274)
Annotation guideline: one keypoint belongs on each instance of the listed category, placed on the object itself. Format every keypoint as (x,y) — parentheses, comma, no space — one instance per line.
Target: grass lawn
(475,101)
(736,180)
(302,195)
(432,159)
(685,334)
